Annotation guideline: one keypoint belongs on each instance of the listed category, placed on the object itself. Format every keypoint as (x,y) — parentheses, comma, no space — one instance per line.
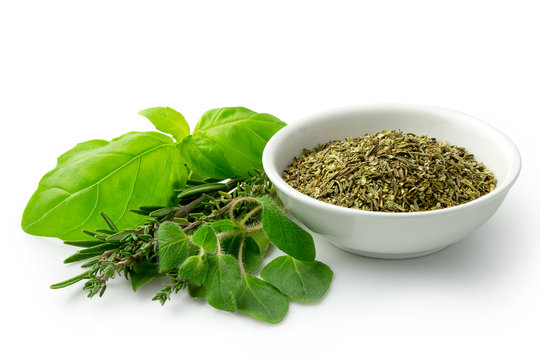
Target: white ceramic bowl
(393,235)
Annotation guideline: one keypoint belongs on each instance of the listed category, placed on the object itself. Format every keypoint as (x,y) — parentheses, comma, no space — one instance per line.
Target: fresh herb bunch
(211,244)
(214,230)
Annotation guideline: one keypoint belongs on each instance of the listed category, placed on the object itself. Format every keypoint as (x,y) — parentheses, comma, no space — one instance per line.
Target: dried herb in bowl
(390,171)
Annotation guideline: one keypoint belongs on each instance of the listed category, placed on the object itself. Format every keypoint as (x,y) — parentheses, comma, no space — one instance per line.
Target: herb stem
(241,254)
(250,214)
(217,214)
(184,210)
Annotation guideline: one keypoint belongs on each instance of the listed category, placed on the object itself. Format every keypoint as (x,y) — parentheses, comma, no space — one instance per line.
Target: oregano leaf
(194,269)
(223,281)
(286,234)
(143,272)
(300,280)
(261,239)
(262,300)
(251,254)
(168,121)
(196,292)
(172,246)
(224,225)
(206,238)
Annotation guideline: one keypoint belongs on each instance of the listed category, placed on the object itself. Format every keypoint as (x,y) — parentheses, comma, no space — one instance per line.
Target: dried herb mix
(390,171)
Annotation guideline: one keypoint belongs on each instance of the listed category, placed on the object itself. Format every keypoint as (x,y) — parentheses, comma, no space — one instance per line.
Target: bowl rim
(277,180)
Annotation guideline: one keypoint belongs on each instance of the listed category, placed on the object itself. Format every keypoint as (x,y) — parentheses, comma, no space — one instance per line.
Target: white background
(72,71)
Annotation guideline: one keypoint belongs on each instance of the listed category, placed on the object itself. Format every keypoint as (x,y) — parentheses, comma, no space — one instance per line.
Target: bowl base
(390,256)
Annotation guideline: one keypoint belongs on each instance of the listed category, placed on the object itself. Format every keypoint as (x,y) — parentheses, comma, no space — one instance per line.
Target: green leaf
(83,243)
(300,280)
(222,282)
(98,249)
(201,189)
(261,239)
(78,257)
(194,269)
(285,234)
(196,292)
(228,142)
(120,235)
(206,238)
(125,173)
(109,222)
(224,225)
(73,280)
(167,120)
(143,272)
(261,300)
(172,246)
(251,254)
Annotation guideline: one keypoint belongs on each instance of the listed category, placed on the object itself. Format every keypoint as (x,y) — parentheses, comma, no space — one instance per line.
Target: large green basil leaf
(228,142)
(132,170)
(167,120)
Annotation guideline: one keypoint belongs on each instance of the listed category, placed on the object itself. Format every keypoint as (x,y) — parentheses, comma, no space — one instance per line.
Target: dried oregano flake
(390,171)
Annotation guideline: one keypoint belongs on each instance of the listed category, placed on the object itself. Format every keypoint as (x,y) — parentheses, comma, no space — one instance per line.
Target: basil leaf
(172,246)
(261,300)
(194,269)
(228,142)
(143,272)
(300,280)
(251,254)
(130,171)
(286,234)
(167,120)
(206,238)
(222,282)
